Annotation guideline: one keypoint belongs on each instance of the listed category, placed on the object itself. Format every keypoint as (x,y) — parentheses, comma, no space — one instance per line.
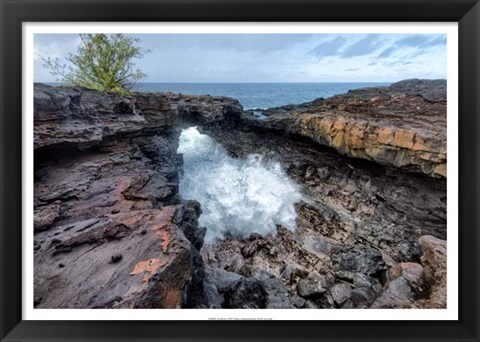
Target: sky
(252,58)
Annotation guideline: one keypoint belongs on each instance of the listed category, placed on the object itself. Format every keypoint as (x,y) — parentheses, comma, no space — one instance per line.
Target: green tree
(103,62)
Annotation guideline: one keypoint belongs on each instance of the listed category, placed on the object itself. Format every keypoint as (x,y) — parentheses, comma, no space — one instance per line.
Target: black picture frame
(14,12)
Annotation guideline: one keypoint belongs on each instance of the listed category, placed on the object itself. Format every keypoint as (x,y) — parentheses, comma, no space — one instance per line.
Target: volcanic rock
(370,231)
(314,284)
(107,202)
(403,125)
(246,294)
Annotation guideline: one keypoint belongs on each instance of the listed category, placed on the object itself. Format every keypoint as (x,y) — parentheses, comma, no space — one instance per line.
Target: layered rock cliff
(111,229)
(403,125)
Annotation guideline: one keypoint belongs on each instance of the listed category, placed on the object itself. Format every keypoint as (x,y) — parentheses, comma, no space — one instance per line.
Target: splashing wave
(238,196)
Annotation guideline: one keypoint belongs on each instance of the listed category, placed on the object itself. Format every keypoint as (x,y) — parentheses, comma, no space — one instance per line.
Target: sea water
(238,196)
(259,95)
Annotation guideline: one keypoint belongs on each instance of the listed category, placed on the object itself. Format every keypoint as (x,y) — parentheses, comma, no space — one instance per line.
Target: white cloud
(51,50)
(275,58)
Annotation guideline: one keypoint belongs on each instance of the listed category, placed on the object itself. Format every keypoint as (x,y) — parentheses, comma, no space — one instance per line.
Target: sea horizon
(260,95)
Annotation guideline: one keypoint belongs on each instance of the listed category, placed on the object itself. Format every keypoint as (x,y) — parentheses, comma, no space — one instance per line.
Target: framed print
(239,170)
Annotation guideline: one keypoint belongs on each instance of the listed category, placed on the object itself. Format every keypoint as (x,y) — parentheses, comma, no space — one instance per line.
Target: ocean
(259,95)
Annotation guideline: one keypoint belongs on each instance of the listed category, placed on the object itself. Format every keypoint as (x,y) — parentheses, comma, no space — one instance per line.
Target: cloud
(259,43)
(273,57)
(51,50)
(387,53)
(398,63)
(330,48)
(363,47)
(54,46)
(420,42)
(441,40)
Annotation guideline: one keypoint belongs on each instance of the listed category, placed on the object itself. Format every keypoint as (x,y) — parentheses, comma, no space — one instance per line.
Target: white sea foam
(238,196)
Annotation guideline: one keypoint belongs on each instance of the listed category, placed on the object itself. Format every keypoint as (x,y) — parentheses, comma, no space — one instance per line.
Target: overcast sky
(273,57)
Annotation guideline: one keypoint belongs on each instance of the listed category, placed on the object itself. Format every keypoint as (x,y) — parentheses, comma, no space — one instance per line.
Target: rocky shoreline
(113,231)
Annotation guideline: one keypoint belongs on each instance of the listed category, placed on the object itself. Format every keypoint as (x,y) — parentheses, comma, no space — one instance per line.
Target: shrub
(102,62)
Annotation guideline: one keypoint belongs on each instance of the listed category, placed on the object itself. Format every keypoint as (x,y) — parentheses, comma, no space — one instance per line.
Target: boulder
(397,294)
(412,272)
(434,260)
(357,259)
(340,293)
(363,297)
(212,298)
(277,294)
(314,284)
(246,294)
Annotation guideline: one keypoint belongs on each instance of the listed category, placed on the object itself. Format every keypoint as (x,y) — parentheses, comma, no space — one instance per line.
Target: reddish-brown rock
(434,259)
(110,228)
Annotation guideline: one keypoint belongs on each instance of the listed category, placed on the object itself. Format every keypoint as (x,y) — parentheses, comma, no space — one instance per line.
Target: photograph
(239,171)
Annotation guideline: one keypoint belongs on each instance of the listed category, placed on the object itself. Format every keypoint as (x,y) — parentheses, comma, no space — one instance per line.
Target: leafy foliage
(102,62)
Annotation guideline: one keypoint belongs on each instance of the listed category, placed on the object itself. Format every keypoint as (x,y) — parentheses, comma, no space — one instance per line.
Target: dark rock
(125,106)
(430,90)
(298,302)
(82,117)
(311,305)
(253,247)
(340,293)
(403,125)
(187,218)
(116,232)
(37,301)
(314,284)
(363,297)
(116,258)
(246,294)
(361,280)
(397,294)
(255,236)
(356,259)
(106,179)
(107,175)
(160,267)
(212,298)
(277,295)
(222,279)
(195,293)
(250,271)
(287,272)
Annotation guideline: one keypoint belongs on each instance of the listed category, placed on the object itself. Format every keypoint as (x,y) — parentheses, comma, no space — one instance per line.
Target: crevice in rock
(107,175)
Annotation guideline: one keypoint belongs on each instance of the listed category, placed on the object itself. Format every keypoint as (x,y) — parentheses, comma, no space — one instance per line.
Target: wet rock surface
(82,118)
(403,125)
(115,234)
(111,229)
(361,224)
